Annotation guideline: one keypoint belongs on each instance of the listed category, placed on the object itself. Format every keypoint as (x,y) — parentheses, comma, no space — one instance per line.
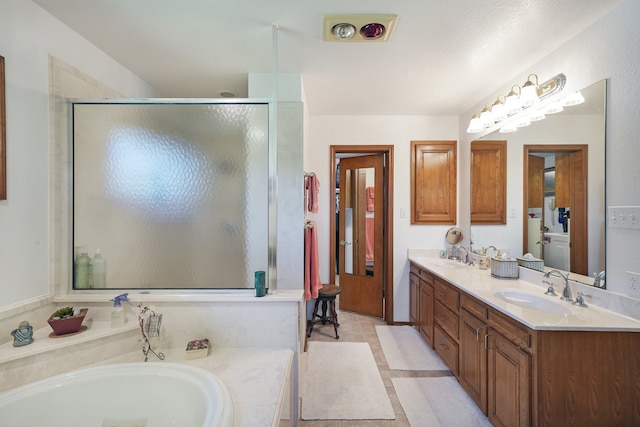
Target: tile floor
(358,328)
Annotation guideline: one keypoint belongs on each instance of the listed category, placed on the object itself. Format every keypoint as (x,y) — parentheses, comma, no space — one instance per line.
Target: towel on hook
(370,196)
(312,186)
(312,281)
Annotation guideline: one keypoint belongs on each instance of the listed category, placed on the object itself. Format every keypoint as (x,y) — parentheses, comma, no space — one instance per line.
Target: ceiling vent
(358,28)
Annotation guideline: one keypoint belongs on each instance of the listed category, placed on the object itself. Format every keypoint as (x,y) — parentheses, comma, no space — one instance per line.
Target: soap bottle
(99,270)
(82,271)
(118,317)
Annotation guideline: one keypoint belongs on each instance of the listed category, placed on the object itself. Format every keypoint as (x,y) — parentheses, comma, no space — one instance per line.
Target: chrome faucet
(599,280)
(566,291)
(466,258)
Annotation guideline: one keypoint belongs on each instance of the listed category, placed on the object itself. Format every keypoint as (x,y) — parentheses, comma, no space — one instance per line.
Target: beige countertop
(564,315)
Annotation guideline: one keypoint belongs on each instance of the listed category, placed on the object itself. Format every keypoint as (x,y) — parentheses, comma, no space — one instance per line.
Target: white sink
(447,263)
(533,301)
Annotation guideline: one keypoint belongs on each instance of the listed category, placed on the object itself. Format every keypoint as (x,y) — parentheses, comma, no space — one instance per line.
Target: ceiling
(442,58)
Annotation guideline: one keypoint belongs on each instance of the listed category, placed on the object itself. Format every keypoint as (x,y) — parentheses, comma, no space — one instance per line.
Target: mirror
(563,219)
(454,236)
(357,209)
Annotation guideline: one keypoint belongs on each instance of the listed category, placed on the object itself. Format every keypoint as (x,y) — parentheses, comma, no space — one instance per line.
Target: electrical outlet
(633,284)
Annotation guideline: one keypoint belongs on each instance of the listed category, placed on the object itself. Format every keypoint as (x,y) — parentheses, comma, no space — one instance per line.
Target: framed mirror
(563,187)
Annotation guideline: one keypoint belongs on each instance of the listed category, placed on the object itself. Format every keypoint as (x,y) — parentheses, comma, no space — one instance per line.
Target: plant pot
(67,325)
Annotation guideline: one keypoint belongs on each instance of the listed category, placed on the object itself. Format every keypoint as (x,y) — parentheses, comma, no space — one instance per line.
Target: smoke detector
(358,27)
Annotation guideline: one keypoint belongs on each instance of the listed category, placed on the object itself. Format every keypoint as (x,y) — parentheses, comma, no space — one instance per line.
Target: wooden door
(361,226)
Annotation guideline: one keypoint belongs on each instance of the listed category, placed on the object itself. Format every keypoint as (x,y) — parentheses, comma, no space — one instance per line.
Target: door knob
(344,243)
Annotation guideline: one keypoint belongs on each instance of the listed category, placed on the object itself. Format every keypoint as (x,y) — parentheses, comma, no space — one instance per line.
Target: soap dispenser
(118,317)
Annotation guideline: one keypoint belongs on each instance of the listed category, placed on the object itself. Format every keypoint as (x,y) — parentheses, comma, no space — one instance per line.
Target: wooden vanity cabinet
(523,377)
(421,299)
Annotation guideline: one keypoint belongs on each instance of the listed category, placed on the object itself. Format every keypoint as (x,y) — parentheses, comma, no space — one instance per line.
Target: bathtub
(140,394)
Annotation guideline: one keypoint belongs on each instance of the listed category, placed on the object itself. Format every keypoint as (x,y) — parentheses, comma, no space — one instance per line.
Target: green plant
(63,312)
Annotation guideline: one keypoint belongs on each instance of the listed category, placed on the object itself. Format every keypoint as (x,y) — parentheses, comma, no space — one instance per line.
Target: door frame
(580,225)
(387,248)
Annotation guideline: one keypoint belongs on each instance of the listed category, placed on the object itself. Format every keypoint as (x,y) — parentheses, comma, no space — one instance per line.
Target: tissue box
(197,349)
(504,268)
(532,263)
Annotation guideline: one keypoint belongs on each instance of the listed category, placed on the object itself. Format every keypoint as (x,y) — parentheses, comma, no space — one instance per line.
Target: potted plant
(67,320)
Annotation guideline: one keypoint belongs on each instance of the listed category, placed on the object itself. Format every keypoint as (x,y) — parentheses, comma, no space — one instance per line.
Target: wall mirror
(562,178)
(175,195)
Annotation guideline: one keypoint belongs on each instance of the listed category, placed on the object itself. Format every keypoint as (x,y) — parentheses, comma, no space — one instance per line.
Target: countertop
(480,284)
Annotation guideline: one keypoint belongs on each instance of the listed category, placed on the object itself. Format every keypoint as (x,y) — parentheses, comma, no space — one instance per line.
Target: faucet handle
(580,299)
(550,290)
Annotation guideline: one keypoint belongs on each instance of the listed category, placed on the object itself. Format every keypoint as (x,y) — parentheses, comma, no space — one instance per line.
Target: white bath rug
(437,402)
(342,382)
(404,349)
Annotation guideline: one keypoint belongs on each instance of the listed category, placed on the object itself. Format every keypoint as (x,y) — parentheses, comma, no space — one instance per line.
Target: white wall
(606,50)
(28,35)
(398,131)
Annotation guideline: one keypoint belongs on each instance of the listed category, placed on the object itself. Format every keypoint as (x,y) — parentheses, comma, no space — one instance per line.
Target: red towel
(311,262)
(369,226)
(370,196)
(312,186)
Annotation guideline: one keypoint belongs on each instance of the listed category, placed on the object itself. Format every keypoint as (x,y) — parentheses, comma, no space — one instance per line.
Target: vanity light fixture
(512,103)
(358,27)
(498,111)
(573,99)
(529,95)
(522,105)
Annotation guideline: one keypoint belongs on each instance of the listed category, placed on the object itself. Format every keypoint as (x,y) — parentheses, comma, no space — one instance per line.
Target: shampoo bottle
(118,317)
(99,270)
(82,272)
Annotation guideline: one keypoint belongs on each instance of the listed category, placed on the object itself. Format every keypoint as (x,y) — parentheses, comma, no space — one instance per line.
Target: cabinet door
(473,358)
(433,182)
(426,312)
(414,299)
(488,182)
(509,380)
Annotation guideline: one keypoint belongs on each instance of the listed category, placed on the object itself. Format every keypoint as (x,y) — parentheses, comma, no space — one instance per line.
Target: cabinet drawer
(422,274)
(474,307)
(447,319)
(447,349)
(447,295)
(508,328)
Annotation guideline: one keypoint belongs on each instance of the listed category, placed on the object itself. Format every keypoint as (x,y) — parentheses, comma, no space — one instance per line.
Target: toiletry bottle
(99,270)
(259,283)
(118,317)
(82,273)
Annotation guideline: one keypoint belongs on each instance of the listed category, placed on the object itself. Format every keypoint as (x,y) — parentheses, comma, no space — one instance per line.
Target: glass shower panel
(173,195)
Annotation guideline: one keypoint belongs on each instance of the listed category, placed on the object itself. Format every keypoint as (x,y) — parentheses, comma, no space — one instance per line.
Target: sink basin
(447,263)
(532,301)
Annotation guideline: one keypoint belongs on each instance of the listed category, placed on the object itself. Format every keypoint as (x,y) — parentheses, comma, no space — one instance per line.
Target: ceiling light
(523,121)
(358,27)
(573,99)
(529,93)
(372,31)
(343,31)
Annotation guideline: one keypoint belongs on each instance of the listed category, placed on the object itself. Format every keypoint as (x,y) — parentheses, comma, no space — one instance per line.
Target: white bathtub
(124,395)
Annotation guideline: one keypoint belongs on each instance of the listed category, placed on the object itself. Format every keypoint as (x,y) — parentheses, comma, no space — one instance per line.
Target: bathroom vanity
(550,364)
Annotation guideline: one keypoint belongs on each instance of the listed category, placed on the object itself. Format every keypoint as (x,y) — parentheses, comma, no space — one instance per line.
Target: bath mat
(342,382)
(437,402)
(404,349)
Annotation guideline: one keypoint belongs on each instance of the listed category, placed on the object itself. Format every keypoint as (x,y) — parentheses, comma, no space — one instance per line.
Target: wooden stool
(327,295)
